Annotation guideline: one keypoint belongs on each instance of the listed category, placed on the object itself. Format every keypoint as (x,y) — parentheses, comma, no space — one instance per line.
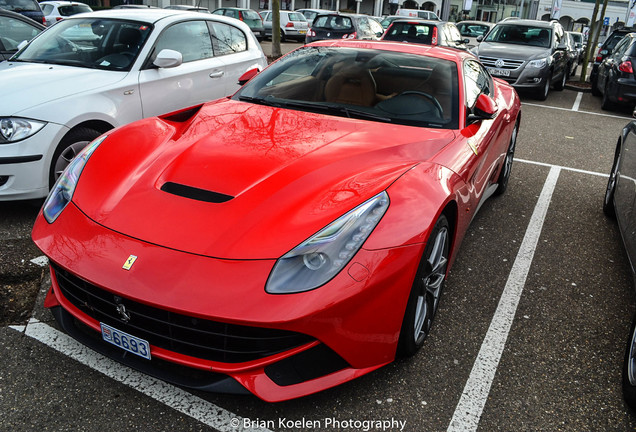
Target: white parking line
(577,102)
(177,399)
(570,110)
(473,399)
(594,173)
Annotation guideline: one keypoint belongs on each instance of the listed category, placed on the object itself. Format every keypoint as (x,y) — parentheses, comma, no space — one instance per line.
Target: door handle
(217,74)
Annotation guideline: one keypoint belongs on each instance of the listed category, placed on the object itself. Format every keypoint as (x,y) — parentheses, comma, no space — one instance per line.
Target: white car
(55,11)
(293,25)
(92,72)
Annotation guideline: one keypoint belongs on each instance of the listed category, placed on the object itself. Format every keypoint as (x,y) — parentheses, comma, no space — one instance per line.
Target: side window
(191,39)
(227,39)
(364,25)
(619,50)
(218,12)
(476,81)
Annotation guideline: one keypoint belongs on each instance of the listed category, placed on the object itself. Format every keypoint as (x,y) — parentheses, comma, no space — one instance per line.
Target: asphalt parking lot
(529,336)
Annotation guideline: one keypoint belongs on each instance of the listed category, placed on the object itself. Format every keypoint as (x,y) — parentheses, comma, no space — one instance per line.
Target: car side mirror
(247,76)
(22,44)
(480,38)
(485,109)
(168,58)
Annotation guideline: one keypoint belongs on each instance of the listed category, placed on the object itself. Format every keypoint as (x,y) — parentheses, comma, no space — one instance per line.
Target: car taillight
(350,36)
(58,18)
(626,66)
(240,16)
(289,24)
(434,38)
(311,33)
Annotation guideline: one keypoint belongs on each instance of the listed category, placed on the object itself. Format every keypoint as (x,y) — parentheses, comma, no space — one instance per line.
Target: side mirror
(22,44)
(168,58)
(485,109)
(465,41)
(480,38)
(247,76)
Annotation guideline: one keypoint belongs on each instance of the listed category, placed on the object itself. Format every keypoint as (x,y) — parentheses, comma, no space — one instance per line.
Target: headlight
(314,262)
(15,129)
(539,63)
(62,192)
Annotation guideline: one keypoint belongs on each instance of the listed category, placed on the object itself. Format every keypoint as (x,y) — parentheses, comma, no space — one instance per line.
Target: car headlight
(64,188)
(539,63)
(15,129)
(318,259)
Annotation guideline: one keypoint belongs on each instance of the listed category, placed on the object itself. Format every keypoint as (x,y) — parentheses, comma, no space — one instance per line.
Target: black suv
(604,50)
(529,54)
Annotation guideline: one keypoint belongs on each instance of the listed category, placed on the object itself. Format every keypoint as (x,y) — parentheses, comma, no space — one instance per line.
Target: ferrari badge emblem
(129,262)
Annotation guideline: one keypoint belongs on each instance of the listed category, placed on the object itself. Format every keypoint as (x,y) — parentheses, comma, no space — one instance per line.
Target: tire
(561,84)
(504,175)
(629,368)
(608,201)
(606,104)
(542,93)
(426,290)
(71,144)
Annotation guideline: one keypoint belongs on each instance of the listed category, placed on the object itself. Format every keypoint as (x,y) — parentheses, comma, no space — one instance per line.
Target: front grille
(200,338)
(507,63)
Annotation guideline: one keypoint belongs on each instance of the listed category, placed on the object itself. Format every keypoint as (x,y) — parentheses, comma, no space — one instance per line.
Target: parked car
(248,16)
(572,53)
(425,32)
(474,29)
(55,11)
(531,55)
(293,25)
(615,77)
(620,204)
(604,50)
(337,183)
(310,14)
(389,19)
(344,26)
(133,6)
(579,44)
(188,8)
(417,13)
(28,8)
(15,28)
(102,70)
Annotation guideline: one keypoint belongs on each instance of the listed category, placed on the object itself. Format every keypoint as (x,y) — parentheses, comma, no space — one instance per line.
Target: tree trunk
(276,52)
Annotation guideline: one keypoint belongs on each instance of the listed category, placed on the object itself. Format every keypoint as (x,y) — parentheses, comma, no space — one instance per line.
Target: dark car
(28,8)
(15,28)
(620,203)
(248,16)
(579,44)
(529,54)
(615,79)
(473,29)
(604,50)
(572,52)
(425,32)
(344,26)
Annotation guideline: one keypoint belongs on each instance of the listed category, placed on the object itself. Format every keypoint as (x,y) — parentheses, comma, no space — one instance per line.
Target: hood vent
(195,193)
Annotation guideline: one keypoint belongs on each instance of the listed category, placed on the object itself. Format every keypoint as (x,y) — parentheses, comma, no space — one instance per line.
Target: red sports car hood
(243,181)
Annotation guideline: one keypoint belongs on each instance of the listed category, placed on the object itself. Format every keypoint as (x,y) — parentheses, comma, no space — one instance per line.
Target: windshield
(333,22)
(367,84)
(90,42)
(410,32)
(73,9)
(472,30)
(521,35)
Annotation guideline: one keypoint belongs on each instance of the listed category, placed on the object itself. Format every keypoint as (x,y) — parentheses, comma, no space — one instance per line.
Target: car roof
(151,15)
(440,52)
(529,22)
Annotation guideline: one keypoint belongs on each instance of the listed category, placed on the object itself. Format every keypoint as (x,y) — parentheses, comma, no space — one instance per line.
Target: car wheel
(68,148)
(561,84)
(542,93)
(629,368)
(606,104)
(426,290)
(608,202)
(504,176)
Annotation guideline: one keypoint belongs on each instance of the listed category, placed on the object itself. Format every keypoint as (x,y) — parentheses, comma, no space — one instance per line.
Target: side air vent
(195,193)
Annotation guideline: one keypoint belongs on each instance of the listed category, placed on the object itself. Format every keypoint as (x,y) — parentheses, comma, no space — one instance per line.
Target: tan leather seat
(353,86)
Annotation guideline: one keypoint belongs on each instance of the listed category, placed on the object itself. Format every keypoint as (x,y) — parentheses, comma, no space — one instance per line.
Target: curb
(578,88)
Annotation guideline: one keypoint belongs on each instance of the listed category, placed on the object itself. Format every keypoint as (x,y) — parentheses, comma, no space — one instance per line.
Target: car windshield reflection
(91,43)
(367,84)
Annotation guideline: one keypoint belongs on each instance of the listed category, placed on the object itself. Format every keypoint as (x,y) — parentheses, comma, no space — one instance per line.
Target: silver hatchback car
(293,25)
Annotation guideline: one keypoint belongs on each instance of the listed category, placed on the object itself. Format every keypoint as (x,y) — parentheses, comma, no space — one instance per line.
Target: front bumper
(24,165)
(527,78)
(343,337)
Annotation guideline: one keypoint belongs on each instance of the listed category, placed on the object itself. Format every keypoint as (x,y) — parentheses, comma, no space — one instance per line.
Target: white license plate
(125,341)
(499,72)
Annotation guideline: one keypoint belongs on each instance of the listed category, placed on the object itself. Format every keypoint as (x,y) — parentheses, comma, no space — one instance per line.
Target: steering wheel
(425,95)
